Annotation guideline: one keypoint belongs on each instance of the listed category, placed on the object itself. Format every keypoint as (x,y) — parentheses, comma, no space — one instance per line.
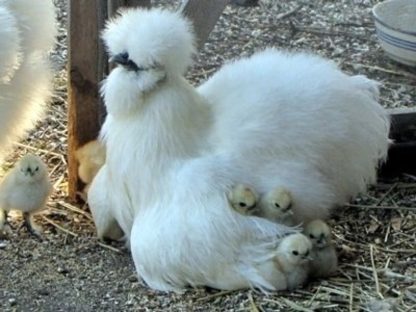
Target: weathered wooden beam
(87,67)
(204,14)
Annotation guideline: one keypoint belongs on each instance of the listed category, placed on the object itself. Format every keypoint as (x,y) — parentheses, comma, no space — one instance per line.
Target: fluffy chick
(26,187)
(293,257)
(324,258)
(244,199)
(276,206)
(91,157)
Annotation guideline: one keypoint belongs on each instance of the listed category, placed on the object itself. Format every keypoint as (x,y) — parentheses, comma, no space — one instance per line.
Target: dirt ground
(376,237)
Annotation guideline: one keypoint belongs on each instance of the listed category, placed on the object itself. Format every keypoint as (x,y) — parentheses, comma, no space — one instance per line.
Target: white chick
(244,199)
(324,258)
(276,206)
(91,157)
(26,187)
(293,257)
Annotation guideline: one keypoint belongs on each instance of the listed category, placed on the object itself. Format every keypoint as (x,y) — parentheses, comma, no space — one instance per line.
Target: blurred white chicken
(174,153)
(27,33)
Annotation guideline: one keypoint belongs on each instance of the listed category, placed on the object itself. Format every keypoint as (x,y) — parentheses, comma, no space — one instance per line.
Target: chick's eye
(295,252)
(37,169)
(307,253)
(242,204)
(311,236)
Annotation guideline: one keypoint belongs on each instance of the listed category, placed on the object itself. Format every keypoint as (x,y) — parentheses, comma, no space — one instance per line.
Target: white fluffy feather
(173,153)
(9,43)
(27,34)
(36,22)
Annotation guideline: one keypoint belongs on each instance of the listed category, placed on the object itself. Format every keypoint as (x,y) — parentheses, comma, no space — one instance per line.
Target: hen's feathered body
(174,153)
(27,34)
(277,106)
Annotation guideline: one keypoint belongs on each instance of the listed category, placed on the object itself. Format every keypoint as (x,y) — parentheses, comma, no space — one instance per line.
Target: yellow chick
(244,199)
(276,206)
(293,257)
(26,187)
(324,258)
(91,157)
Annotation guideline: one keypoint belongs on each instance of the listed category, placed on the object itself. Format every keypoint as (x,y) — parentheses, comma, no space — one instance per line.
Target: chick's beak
(30,172)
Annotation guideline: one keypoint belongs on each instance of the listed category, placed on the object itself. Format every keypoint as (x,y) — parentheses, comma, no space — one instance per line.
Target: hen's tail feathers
(27,34)
(23,99)
(36,22)
(9,43)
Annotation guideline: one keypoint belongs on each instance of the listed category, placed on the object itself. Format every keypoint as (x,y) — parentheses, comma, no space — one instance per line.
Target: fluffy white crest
(152,37)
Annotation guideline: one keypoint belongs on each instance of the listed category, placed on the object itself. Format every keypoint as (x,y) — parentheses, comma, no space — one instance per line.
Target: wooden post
(87,67)
(204,14)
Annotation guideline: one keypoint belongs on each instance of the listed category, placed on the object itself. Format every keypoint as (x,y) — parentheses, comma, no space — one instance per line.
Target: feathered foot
(31,227)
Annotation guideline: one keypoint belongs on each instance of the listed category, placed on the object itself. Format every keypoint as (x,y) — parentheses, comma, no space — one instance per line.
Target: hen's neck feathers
(170,125)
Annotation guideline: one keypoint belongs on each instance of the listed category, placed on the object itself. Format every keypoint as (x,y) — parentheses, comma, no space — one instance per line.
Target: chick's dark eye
(295,252)
(242,204)
(276,205)
(311,236)
(307,253)
(37,169)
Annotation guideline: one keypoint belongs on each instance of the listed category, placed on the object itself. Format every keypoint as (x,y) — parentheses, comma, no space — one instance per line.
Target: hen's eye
(295,252)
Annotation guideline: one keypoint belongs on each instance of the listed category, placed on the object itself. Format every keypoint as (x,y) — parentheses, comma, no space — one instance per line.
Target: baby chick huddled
(26,188)
(275,205)
(300,256)
(306,256)
(90,157)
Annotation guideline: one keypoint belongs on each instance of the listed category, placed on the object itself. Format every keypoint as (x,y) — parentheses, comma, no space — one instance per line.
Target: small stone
(43,292)
(63,270)
(132,279)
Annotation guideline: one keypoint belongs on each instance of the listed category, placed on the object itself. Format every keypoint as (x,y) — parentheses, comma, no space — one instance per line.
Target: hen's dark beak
(124,60)
(120,59)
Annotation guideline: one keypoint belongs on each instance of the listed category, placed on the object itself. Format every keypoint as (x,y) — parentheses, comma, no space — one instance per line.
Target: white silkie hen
(27,33)
(174,153)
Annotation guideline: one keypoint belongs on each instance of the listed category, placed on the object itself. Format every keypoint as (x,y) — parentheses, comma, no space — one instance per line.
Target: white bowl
(395,22)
